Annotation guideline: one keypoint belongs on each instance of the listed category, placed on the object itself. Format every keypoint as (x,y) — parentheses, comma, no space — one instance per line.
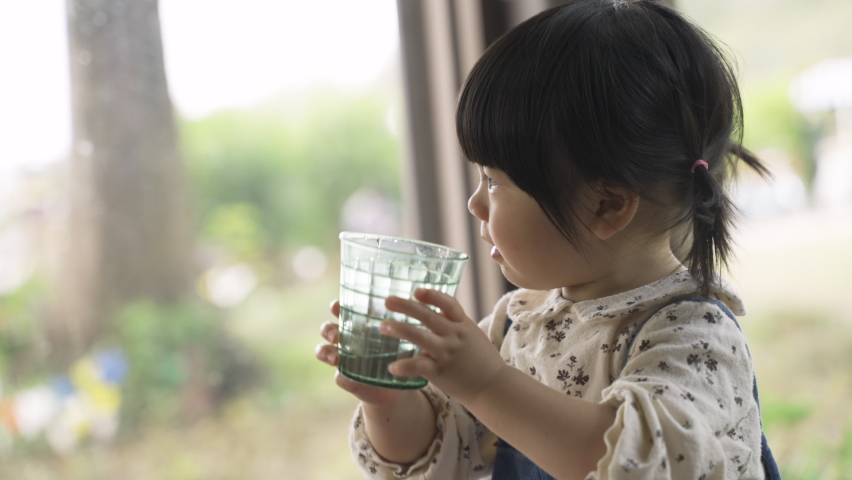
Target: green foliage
(777,411)
(295,163)
(844,462)
(170,349)
(236,226)
(19,333)
(819,459)
(771,121)
(282,329)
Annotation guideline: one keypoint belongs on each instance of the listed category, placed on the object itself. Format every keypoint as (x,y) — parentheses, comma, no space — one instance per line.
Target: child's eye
(491,182)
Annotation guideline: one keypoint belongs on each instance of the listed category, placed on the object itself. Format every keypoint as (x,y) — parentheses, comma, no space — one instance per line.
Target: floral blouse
(685,408)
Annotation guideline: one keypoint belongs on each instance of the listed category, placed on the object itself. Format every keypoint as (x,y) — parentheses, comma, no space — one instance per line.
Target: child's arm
(461,448)
(397,434)
(562,435)
(399,423)
(682,406)
(402,431)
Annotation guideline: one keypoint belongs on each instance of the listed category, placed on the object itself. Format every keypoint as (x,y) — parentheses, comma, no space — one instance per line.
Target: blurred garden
(223,383)
(219,381)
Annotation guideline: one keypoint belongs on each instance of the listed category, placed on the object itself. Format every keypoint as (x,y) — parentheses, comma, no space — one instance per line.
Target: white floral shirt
(685,408)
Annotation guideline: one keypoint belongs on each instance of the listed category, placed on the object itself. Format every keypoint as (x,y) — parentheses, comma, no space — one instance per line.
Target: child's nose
(476,205)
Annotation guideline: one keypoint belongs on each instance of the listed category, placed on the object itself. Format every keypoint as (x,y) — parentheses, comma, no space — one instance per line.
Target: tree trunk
(127,232)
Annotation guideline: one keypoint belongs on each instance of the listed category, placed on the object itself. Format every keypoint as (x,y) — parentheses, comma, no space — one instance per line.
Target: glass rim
(349,237)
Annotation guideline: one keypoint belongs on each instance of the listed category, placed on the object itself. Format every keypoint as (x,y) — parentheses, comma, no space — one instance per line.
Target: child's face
(531,252)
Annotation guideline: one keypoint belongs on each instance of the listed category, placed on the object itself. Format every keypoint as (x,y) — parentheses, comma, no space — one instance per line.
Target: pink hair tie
(697,163)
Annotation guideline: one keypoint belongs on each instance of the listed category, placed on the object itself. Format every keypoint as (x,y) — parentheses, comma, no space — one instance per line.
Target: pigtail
(738,151)
(711,220)
(713,214)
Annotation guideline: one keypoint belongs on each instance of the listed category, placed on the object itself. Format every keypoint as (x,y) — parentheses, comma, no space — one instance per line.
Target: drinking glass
(373,267)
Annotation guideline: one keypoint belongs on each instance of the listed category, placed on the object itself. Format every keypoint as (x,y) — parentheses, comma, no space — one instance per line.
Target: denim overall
(510,464)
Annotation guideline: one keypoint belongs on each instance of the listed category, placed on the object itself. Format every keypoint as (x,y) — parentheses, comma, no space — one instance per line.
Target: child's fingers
(346,384)
(360,390)
(420,366)
(327,353)
(428,317)
(449,305)
(330,331)
(367,393)
(334,308)
(427,340)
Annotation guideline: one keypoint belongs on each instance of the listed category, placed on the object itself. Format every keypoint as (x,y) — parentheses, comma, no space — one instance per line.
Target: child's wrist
(490,384)
(401,404)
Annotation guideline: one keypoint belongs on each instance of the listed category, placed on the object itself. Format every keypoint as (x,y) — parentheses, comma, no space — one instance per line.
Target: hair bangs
(506,118)
(498,120)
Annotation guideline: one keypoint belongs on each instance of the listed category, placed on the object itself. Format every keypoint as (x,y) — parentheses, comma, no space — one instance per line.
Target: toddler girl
(604,133)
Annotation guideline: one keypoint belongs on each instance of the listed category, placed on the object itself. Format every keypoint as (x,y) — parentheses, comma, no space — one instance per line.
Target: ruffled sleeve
(463,447)
(685,407)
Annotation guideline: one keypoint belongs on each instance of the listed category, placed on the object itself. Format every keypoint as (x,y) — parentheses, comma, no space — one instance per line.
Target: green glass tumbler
(372,268)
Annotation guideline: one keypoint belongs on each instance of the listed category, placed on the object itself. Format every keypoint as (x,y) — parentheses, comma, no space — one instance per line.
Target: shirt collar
(532,305)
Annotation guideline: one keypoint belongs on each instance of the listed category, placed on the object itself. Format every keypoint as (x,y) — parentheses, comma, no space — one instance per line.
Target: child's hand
(456,356)
(327,353)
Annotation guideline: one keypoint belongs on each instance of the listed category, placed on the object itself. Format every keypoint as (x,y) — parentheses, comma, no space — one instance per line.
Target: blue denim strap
(510,464)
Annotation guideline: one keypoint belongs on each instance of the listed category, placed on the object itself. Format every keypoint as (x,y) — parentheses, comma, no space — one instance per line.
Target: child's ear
(615,209)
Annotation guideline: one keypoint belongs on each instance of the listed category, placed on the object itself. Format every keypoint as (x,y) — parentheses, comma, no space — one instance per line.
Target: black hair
(623,91)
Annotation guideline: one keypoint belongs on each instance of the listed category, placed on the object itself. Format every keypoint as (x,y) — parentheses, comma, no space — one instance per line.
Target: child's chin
(513,278)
